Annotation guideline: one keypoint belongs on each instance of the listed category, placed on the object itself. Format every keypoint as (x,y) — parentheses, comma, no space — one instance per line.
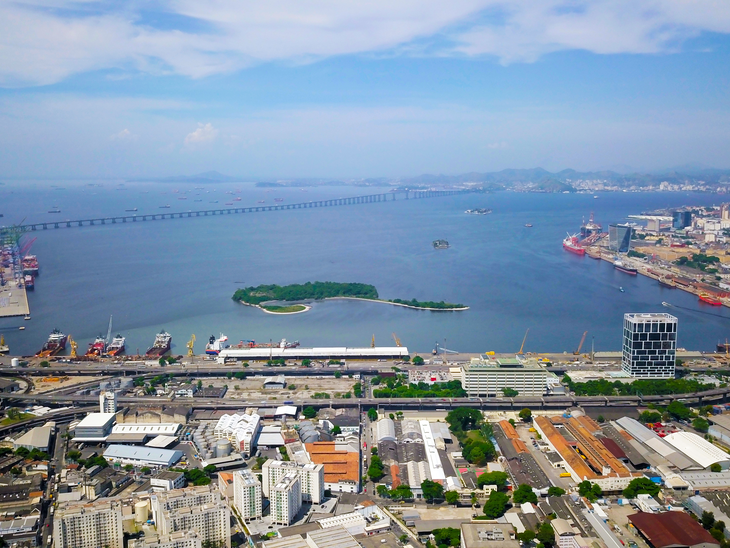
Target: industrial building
(299,353)
(285,499)
(194,508)
(85,525)
(134,432)
(275,383)
(95,427)
(167,481)
(312,478)
(247,497)
(585,457)
(697,505)
(142,456)
(649,345)
(484,377)
(241,430)
(699,450)
(672,530)
(35,438)
(565,536)
(342,471)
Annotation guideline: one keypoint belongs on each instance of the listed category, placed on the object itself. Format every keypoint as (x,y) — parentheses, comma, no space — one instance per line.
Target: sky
(322,88)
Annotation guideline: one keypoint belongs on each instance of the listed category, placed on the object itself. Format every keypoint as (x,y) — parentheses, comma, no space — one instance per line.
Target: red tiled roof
(671,529)
(614,447)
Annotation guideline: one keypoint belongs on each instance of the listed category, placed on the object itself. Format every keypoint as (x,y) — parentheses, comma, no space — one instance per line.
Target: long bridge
(353,200)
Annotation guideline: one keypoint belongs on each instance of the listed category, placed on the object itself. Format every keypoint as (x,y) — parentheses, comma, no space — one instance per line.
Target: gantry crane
(580,345)
(523,343)
(190,345)
(396,339)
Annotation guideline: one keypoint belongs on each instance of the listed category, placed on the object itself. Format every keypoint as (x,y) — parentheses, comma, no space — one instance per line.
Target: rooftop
(96,420)
(671,529)
(698,449)
(488,535)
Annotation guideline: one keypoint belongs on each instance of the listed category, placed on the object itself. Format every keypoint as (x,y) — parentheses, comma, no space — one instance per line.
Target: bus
(565,474)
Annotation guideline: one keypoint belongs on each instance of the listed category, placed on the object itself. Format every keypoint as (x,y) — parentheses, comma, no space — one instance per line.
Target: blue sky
(286,88)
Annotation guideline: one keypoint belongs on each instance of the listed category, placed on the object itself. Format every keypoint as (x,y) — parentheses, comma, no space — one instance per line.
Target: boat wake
(670,305)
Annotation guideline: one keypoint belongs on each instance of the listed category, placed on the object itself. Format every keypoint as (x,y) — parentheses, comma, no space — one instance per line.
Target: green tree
(678,410)
(701,424)
(493,478)
(373,450)
(510,392)
(591,491)
(402,492)
(336,430)
(200,385)
(309,412)
(22,452)
(13,413)
(463,419)
(73,455)
(382,490)
(432,491)
(650,417)
(210,469)
(600,419)
(129,467)
(526,415)
(527,537)
(707,519)
(448,536)
(546,535)
(524,493)
(375,471)
(452,497)
(555,491)
(496,505)
(641,485)
(403,539)
(145,470)
(715,467)
(417,360)
(372,414)
(16,471)
(44,363)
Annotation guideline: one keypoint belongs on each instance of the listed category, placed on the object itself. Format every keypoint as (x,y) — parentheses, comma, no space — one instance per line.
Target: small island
(267,297)
(440,244)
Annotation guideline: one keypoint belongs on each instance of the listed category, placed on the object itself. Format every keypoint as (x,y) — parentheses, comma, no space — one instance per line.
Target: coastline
(307,308)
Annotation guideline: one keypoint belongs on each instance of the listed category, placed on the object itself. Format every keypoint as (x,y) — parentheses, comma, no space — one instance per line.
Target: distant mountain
(206,177)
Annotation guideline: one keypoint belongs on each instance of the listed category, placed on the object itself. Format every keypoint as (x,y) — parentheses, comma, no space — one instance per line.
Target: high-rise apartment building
(649,345)
(285,499)
(247,495)
(107,402)
(195,508)
(311,476)
(85,525)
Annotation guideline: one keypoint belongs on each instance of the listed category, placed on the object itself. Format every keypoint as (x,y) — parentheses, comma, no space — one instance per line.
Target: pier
(127,219)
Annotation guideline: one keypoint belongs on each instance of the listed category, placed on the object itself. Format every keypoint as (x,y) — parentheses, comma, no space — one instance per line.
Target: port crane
(190,345)
(396,339)
(580,345)
(522,347)
(108,334)
(74,346)
(372,342)
(26,248)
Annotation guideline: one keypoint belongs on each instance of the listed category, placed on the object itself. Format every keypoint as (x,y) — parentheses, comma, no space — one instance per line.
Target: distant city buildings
(649,345)
(619,238)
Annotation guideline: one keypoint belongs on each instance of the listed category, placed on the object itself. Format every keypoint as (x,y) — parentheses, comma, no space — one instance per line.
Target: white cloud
(205,133)
(42,46)
(124,135)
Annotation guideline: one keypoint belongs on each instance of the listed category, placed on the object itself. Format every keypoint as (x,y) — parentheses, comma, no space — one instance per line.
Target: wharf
(13,300)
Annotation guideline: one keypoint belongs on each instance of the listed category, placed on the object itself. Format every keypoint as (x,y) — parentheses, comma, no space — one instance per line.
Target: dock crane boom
(396,339)
(580,345)
(190,345)
(523,343)
(372,342)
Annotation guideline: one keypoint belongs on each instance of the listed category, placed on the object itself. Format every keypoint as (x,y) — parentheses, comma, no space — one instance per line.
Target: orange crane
(523,343)
(396,339)
(580,345)
(372,342)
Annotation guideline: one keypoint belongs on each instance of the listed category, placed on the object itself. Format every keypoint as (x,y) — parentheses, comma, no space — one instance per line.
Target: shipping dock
(13,297)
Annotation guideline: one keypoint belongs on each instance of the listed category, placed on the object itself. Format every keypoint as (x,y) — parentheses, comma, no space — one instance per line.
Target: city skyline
(91,89)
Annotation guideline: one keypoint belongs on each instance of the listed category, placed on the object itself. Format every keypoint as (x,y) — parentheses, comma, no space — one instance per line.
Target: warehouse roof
(650,439)
(671,529)
(333,537)
(95,420)
(38,437)
(279,379)
(286,409)
(163,456)
(161,441)
(155,429)
(698,449)
(325,352)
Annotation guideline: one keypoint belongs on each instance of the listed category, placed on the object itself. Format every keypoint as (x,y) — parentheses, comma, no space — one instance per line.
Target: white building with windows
(487,377)
(241,430)
(200,509)
(247,495)
(86,525)
(311,477)
(649,345)
(180,539)
(108,402)
(285,499)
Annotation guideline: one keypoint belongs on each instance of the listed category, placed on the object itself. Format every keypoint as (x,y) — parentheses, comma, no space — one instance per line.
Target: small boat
(595,197)
(29,281)
(665,303)
(621,289)
(131,210)
(619,265)
(709,299)
(262,201)
(229,203)
(275,199)
(528,225)
(54,210)
(116,347)
(165,207)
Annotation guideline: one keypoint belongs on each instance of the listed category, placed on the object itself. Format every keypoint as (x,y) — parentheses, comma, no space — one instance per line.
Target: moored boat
(29,281)
(571,243)
(116,347)
(709,299)
(618,265)
(56,343)
(214,345)
(162,344)
(98,347)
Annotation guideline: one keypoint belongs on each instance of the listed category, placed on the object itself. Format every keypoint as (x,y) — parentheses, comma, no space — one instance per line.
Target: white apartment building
(247,495)
(107,402)
(241,430)
(285,499)
(565,536)
(487,377)
(649,345)
(84,525)
(194,508)
(180,539)
(311,477)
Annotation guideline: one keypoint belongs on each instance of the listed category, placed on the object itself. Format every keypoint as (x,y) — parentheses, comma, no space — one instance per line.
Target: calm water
(180,274)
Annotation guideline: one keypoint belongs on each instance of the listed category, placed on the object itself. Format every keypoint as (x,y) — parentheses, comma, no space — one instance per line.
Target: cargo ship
(30,265)
(29,281)
(162,344)
(116,347)
(666,281)
(98,347)
(571,244)
(55,344)
(709,299)
(620,266)
(214,345)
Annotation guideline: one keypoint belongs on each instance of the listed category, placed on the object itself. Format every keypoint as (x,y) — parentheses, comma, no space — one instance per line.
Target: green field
(284,309)
(22,417)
